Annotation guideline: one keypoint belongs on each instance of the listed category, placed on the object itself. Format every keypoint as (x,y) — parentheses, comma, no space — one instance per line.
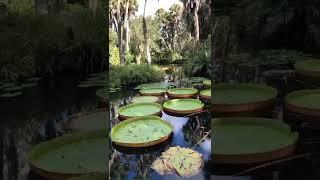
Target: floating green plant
(141,131)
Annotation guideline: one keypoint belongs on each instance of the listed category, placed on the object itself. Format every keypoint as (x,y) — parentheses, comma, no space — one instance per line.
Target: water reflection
(187,132)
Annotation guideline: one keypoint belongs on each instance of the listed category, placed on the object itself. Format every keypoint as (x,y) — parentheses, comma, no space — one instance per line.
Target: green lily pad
(90,121)
(305,98)
(206,92)
(11,95)
(102,93)
(182,91)
(7,85)
(140,109)
(207,82)
(34,79)
(308,67)
(145,99)
(248,135)
(181,161)
(163,85)
(31,84)
(183,104)
(242,93)
(81,153)
(15,88)
(91,84)
(90,177)
(194,79)
(155,91)
(141,131)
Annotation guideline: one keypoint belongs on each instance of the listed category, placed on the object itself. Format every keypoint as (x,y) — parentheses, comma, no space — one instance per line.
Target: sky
(154,5)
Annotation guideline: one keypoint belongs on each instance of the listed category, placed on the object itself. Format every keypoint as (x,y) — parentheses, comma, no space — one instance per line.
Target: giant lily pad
(242,97)
(145,99)
(163,85)
(182,92)
(304,101)
(11,95)
(183,106)
(139,109)
(29,84)
(89,121)
(194,79)
(14,88)
(250,140)
(153,92)
(207,83)
(181,161)
(141,131)
(309,68)
(68,156)
(102,93)
(205,94)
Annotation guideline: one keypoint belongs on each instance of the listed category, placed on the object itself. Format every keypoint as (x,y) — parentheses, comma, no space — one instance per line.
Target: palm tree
(145,34)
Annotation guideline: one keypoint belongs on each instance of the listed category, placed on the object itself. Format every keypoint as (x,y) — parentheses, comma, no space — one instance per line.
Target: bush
(132,75)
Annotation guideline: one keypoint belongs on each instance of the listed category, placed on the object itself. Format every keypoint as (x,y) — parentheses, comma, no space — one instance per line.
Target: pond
(126,163)
(38,115)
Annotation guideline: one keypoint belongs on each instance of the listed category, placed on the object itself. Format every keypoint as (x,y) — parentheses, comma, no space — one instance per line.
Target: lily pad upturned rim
(150,93)
(123,117)
(301,68)
(300,108)
(171,93)
(202,96)
(58,142)
(247,158)
(167,108)
(144,144)
(246,106)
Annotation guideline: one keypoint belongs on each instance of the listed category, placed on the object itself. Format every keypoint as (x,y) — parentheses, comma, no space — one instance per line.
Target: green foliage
(21,6)
(132,75)
(35,45)
(114,56)
(198,64)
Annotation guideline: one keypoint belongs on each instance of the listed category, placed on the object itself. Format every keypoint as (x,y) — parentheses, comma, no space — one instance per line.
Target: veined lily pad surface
(153,91)
(247,136)
(91,121)
(145,99)
(308,66)
(181,105)
(206,93)
(207,82)
(182,161)
(75,154)
(305,98)
(141,131)
(182,91)
(140,109)
(242,93)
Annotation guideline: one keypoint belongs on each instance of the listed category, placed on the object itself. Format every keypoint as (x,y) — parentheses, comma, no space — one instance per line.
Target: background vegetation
(41,39)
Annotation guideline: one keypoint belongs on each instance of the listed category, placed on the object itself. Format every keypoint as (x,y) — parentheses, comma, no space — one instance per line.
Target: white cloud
(154,5)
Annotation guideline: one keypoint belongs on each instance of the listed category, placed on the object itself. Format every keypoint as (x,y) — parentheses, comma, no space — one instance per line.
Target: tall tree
(191,8)
(145,34)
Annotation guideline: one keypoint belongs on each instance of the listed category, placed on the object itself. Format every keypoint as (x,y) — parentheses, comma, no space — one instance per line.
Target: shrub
(132,75)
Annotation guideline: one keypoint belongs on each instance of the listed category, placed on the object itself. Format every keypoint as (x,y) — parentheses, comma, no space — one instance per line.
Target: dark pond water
(37,115)
(128,164)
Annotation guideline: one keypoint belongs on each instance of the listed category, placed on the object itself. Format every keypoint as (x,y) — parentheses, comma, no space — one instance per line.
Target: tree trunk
(55,6)
(145,34)
(125,44)
(93,4)
(119,32)
(41,6)
(196,22)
